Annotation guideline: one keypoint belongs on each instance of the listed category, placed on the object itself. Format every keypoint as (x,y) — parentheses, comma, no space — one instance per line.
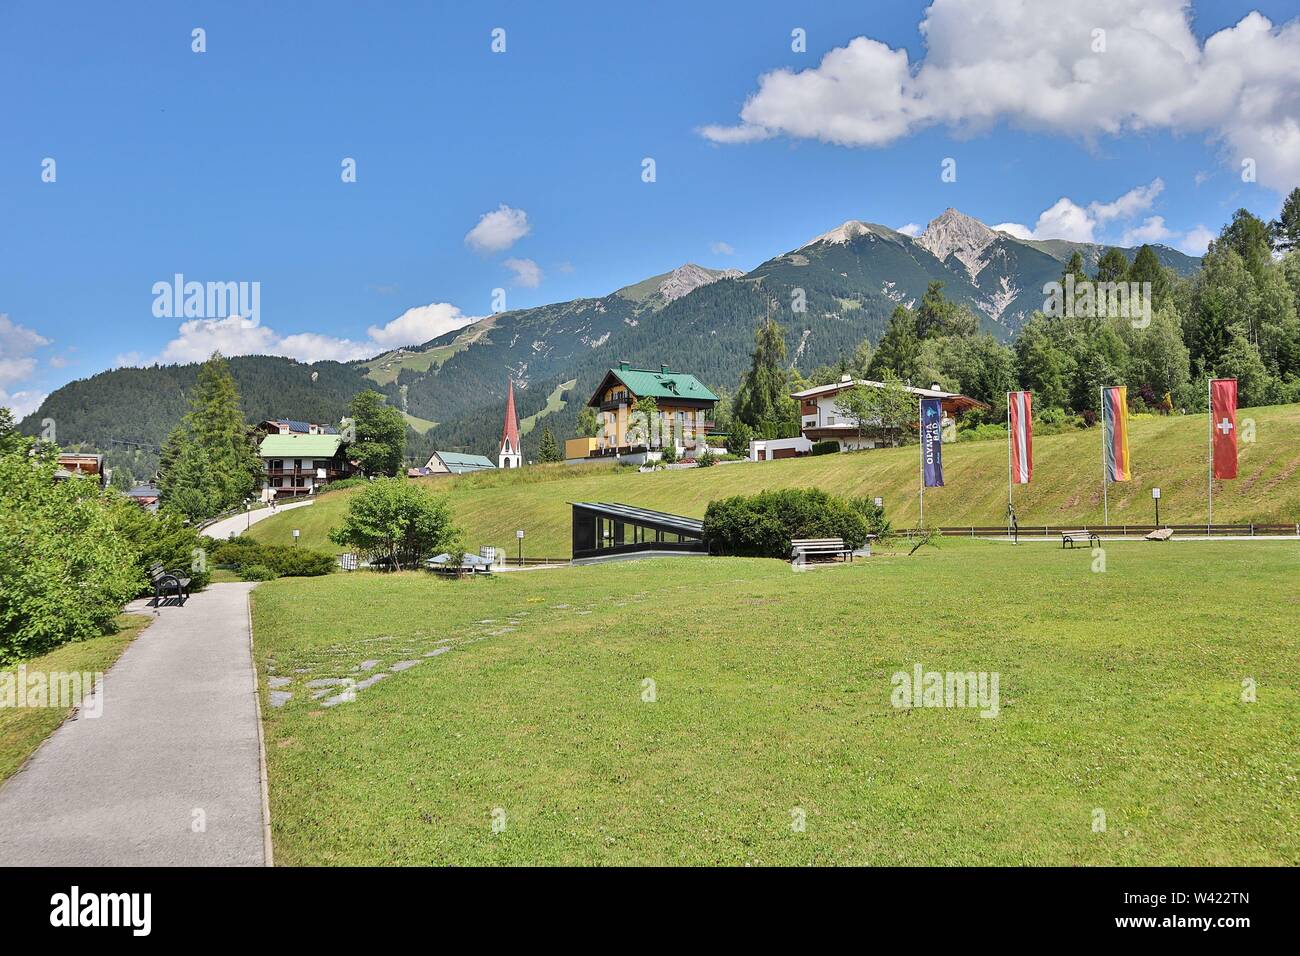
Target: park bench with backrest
(166,582)
(1070,537)
(805,548)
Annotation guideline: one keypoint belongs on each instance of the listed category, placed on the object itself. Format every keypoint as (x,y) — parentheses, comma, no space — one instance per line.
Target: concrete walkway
(240,523)
(170,774)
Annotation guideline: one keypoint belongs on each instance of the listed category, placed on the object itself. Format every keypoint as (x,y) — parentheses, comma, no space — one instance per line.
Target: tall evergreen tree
(1113,266)
(1251,238)
(1147,268)
(899,349)
(209,464)
(547,448)
(763,395)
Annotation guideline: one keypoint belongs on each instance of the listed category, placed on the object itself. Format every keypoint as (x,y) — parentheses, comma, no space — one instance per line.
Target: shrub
(825,447)
(764,524)
(284,560)
(65,568)
(257,572)
(874,515)
(397,521)
(162,538)
(706,460)
(739,438)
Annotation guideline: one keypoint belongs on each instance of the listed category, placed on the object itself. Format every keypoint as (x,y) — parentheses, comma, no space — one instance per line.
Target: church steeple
(511,454)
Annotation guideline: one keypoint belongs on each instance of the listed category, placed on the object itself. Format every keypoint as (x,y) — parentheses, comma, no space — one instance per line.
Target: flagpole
(920,460)
(1105,485)
(1008,464)
(1209,437)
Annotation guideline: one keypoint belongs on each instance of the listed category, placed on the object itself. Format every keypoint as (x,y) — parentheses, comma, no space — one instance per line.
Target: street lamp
(1155,496)
(248,513)
(296,533)
(520,536)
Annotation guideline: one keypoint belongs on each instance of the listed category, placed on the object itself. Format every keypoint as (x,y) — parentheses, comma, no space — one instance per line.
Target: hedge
(763,525)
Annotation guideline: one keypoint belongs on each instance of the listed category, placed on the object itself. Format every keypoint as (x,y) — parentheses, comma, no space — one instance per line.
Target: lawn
(22,730)
(1119,691)
(1168,452)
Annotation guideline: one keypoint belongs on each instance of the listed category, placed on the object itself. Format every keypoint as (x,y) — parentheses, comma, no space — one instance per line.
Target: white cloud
(911,229)
(17,343)
(1066,219)
(420,324)
(527,272)
(498,230)
(1015,229)
(1196,241)
(197,339)
(1152,230)
(722,249)
(1033,65)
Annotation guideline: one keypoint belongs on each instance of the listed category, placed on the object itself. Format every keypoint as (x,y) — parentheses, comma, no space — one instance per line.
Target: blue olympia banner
(932,442)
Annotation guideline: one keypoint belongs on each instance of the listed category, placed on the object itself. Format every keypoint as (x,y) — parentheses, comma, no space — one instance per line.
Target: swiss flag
(1223,422)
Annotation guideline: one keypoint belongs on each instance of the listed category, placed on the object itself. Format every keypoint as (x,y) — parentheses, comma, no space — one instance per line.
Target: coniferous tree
(547,448)
(1113,266)
(208,462)
(899,348)
(1147,268)
(763,399)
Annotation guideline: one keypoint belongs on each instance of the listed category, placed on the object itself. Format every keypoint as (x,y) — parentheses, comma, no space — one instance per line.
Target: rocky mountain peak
(689,277)
(955,233)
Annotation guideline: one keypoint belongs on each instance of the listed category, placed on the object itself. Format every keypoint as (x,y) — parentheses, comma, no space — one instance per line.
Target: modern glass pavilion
(602,528)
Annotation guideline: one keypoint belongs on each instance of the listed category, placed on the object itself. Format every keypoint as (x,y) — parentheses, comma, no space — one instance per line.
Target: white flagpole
(1008,464)
(1209,434)
(1105,478)
(920,460)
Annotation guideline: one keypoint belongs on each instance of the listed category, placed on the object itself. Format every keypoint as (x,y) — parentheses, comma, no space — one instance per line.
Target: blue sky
(225,165)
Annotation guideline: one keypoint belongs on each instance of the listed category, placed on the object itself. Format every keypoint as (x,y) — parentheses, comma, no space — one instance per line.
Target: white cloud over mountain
(197,339)
(498,230)
(17,363)
(1043,66)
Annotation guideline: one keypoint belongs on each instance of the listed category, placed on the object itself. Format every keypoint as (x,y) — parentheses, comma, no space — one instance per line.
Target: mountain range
(452,389)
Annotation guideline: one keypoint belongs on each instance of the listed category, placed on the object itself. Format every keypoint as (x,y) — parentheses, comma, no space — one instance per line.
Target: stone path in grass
(333,678)
(170,773)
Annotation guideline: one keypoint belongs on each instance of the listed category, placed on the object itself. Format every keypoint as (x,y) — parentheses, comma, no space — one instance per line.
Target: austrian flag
(1223,422)
(1020,435)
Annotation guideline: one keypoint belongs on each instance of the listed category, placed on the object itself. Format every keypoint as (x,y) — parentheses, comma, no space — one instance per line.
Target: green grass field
(22,730)
(1119,691)
(1167,452)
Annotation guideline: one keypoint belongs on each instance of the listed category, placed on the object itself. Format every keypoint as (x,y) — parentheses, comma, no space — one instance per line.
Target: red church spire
(509,456)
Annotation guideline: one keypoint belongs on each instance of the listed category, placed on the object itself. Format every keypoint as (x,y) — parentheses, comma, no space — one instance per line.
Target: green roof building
(301,464)
(684,404)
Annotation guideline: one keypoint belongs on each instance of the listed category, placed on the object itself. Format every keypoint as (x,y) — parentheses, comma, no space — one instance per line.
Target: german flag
(1114,421)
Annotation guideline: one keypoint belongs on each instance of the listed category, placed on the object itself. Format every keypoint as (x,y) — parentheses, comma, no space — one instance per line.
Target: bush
(162,538)
(874,515)
(763,525)
(65,568)
(257,572)
(283,560)
(397,521)
(738,438)
(707,460)
(825,447)
(985,432)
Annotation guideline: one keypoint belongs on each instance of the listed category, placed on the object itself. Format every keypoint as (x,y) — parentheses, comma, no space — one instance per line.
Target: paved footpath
(170,774)
(223,529)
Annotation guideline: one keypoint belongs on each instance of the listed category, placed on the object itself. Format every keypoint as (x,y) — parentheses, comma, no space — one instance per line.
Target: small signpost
(1155,496)
(520,536)
(296,534)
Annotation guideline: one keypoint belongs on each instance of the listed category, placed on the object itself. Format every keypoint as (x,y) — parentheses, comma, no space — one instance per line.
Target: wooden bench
(1070,537)
(803,548)
(164,582)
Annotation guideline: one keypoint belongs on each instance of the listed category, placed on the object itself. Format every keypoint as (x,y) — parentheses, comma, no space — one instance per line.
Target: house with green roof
(454,463)
(298,464)
(684,411)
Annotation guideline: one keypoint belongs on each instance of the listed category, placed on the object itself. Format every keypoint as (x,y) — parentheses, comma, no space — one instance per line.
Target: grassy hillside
(1167,452)
(525,696)
(553,404)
